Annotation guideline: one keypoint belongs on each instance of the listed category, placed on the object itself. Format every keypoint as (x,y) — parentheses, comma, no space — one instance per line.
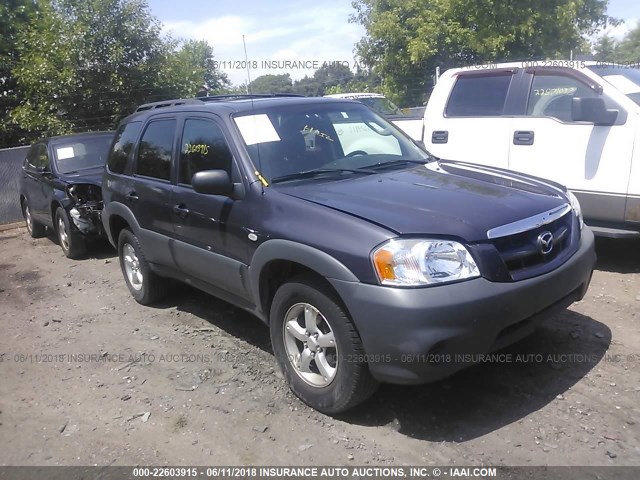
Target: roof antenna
(258,173)
(246,62)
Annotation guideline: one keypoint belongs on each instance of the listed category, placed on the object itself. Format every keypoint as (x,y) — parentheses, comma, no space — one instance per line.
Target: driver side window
(203,148)
(38,158)
(552,95)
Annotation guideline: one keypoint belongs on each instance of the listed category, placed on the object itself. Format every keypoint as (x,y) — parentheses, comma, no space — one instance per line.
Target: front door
(592,161)
(211,244)
(38,183)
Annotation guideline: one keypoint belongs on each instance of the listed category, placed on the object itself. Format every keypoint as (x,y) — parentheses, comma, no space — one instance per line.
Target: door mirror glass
(212,182)
(592,110)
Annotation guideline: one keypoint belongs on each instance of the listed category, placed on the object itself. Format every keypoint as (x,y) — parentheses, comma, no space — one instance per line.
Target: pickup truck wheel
(145,286)
(72,243)
(35,229)
(318,348)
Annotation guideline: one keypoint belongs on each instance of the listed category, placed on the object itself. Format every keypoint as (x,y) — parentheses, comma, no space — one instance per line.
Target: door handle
(181,210)
(132,196)
(523,137)
(439,136)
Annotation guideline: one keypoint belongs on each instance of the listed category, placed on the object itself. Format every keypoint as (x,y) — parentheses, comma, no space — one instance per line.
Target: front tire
(318,347)
(145,286)
(35,229)
(72,243)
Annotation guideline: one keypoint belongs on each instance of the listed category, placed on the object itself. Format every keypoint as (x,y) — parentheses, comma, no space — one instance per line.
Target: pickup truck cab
(574,122)
(410,124)
(367,267)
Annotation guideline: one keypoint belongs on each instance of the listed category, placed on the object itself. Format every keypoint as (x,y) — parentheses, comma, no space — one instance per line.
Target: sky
(305,32)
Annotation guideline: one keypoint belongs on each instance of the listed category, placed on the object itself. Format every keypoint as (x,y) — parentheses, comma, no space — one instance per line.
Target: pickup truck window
(203,148)
(551,96)
(154,154)
(479,95)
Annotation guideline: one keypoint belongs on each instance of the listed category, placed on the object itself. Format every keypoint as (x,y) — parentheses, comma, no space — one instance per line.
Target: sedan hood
(91,176)
(440,198)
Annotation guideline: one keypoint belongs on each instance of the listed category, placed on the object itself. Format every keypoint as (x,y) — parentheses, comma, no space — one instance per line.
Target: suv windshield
(82,153)
(625,79)
(330,138)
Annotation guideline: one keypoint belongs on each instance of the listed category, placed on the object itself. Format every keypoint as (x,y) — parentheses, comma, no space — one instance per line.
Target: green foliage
(407,39)
(14,17)
(272,84)
(627,50)
(605,49)
(83,65)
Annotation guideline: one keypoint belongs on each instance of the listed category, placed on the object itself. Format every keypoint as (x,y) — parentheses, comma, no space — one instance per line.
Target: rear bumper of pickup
(425,334)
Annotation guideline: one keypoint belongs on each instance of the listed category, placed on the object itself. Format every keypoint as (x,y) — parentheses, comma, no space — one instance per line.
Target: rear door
(473,122)
(211,241)
(150,192)
(593,161)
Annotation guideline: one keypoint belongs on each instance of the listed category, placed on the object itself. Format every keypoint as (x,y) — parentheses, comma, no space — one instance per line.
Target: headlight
(575,204)
(415,262)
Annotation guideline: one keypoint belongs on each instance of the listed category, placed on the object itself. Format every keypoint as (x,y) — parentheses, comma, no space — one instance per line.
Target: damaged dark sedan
(60,189)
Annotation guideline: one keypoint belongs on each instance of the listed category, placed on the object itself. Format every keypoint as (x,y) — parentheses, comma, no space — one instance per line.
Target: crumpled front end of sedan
(85,208)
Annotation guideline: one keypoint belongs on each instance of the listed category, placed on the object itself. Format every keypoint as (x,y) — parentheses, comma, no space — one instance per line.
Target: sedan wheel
(35,229)
(63,235)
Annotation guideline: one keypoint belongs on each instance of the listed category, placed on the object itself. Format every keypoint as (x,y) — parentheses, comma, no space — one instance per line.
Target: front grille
(523,252)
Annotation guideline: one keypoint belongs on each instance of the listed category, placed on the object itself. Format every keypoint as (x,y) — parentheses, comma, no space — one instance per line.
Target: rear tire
(35,229)
(72,243)
(318,347)
(145,286)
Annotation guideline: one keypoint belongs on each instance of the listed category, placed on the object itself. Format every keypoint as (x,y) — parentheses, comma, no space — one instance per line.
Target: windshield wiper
(394,163)
(318,171)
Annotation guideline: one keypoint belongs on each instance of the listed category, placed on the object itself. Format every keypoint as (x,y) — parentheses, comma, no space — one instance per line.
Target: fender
(115,208)
(317,260)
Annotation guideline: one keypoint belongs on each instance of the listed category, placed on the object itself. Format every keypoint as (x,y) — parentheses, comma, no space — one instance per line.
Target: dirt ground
(88,376)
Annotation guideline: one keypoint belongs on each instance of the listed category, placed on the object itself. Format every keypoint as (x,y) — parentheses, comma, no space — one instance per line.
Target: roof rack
(212,98)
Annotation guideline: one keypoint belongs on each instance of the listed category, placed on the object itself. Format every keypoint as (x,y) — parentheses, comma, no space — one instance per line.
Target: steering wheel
(356,153)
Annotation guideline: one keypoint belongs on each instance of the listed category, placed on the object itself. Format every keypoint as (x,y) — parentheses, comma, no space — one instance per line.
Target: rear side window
(154,153)
(203,148)
(478,95)
(122,145)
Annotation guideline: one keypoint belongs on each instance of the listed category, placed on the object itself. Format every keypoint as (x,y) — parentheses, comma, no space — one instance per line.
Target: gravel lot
(88,376)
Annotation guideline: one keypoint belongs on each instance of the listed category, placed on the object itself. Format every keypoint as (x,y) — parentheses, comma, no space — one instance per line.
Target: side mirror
(43,170)
(212,182)
(592,110)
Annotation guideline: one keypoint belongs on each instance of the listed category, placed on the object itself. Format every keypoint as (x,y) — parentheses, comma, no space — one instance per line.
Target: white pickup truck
(411,125)
(577,123)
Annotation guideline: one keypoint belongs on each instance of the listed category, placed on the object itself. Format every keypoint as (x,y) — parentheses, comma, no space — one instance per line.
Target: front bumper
(425,334)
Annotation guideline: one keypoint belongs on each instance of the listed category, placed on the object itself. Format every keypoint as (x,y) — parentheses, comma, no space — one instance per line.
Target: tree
(193,66)
(628,50)
(605,49)
(407,39)
(85,65)
(14,17)
(272,84)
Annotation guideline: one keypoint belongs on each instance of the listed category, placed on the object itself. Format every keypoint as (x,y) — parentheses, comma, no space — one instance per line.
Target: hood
(92,176)
(440,198)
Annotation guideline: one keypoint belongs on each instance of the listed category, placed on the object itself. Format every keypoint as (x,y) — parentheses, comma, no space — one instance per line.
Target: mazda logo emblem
(545,242)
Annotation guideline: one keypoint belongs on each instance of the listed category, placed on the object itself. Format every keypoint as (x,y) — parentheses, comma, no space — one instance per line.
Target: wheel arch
(277,261)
